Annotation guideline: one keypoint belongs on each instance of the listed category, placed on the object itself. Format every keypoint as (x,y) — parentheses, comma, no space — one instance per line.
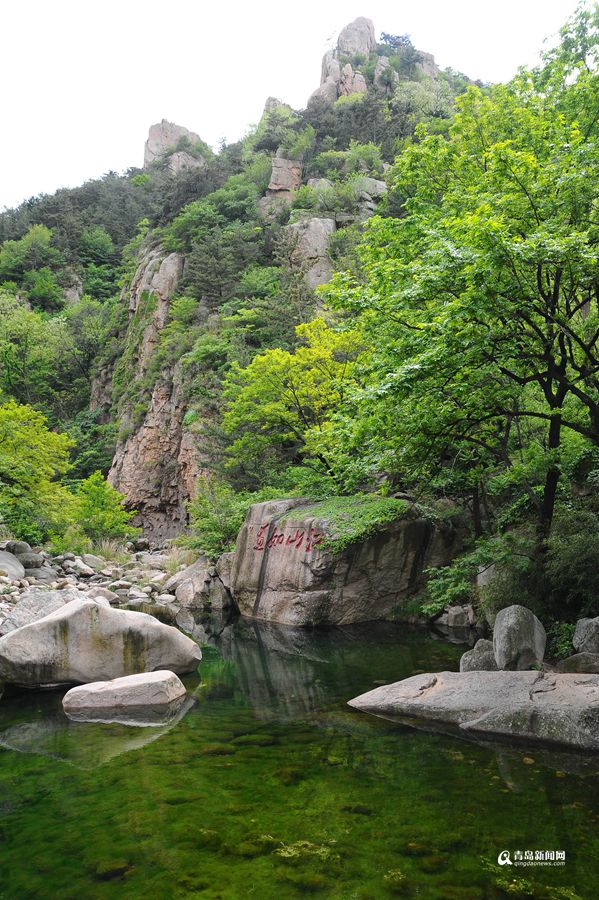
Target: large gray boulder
(105,701)
(480,659)
(586,636)
(309,243)
(84,642)
(35,604)
(580,662)
(10,566)
(286,570)
(357,37)
(518,639)
(191,585)
(551,708)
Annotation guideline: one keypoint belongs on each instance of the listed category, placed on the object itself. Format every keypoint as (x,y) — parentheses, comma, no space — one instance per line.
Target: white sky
(82,80)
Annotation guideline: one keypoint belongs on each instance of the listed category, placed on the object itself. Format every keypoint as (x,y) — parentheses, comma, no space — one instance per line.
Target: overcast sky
(82,80)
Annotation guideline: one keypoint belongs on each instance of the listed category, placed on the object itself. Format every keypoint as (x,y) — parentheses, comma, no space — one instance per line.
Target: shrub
(100,511)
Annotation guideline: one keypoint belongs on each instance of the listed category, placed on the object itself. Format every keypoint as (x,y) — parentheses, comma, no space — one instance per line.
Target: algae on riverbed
(271,787)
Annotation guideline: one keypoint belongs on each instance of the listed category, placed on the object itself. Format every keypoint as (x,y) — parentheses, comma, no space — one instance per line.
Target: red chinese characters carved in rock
(302,539)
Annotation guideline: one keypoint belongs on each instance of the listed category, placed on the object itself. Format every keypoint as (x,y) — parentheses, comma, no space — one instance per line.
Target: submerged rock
(135,697)
(551,708)
(84,642)
(518,639)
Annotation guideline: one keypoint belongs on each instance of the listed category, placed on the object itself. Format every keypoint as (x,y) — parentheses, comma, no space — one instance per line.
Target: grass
(178,557)
(111,550)
(354,519)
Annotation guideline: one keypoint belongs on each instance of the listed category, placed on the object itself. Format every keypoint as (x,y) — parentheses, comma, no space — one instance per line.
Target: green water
(270,786)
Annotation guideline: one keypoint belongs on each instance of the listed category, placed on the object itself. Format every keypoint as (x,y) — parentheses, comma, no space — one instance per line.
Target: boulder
(164,137)
(103,701)
(43,574)
(94,562)
(580,662)
(357,37)
(284,570)
(30,560)
(95,591)
(17,547)
(189,583)
(34,604)
(84,642)
(535,706)
(480,659)
(10,566)
(586,636)
(518,639)
(381,80)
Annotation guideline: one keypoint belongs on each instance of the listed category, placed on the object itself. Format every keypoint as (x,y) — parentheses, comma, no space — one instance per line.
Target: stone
(85,642)
(457,617)
(182,161)
(327,92)
(34,604)
(96,591)
(357,37)
(80,568)
(10,566)
(284,571)
(101,700)
(480,659)
(286,174)
(43,574)
(164,137)
(385,81)
(534,706)
(580,662)
(586,635)
(309,248)
(31,560)
(93,562)
(374,187)
(17,547)
(518,639)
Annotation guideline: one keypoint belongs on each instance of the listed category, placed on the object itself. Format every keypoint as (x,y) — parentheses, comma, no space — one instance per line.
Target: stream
(269,786)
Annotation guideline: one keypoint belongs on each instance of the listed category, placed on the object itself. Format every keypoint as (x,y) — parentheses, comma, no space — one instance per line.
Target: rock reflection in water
(48,732)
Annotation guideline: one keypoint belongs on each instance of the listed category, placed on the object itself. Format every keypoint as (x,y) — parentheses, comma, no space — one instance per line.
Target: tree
(483,298)
(32,501)
(282,401)
(100,511)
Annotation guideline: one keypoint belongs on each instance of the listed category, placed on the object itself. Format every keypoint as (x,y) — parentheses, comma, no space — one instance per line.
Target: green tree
(32,501)
(100,511)
(483,297)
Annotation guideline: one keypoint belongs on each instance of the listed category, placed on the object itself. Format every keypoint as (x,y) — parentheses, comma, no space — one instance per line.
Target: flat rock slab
(140,696)
(83,641)
(560,709)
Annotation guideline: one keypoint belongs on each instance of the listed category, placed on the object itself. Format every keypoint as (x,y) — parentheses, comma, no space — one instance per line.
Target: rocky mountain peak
(357,37)
(167,138)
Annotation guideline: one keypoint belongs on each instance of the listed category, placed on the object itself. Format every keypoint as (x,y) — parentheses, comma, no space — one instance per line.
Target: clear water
(270,786)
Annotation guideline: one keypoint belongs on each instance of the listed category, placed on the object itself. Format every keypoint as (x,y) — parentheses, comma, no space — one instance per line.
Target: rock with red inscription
(303,563)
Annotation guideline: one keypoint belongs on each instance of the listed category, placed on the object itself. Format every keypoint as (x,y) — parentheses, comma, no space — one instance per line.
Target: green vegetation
(351,520)
(453,357)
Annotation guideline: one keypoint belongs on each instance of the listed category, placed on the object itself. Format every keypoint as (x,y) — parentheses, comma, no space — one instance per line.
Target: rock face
(518,639)
(283,571)
(309,248)
(85,642)
(286,175)
(103,701)
(165,136)
(157,462)
(556,709)
(586,636)
(10,566)
(480,659)
(580,662)
(357,37)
